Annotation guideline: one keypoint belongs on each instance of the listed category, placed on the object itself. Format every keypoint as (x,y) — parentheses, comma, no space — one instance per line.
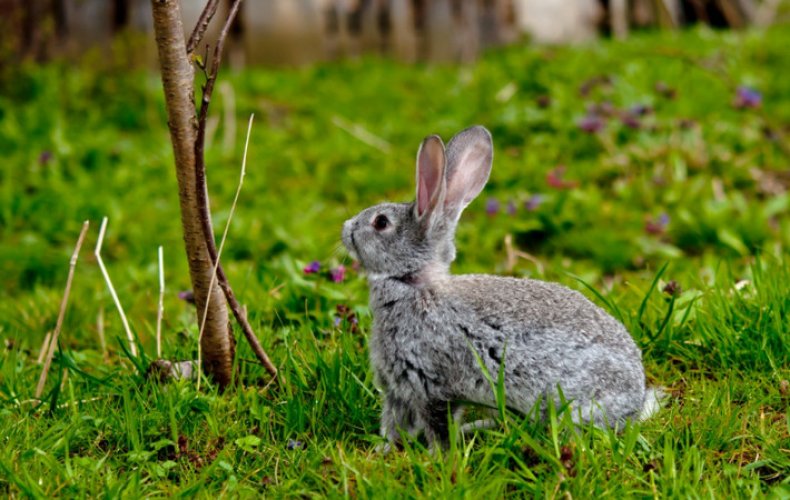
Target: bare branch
(208,89)
(62,313)
(202,195)
(238,311)
(202,25)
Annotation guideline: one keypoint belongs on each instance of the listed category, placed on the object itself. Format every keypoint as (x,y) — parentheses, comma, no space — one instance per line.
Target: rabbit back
(429,343)
(551,339)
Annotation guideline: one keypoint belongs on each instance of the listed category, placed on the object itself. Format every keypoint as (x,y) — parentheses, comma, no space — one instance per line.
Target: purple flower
(631,121)
(511,207)
(492,206)
(555,179)
(312,267)
(45,157)
(665,90)
(602,109)
(338,320)
(591,123)
(338,274)
(294,445)
(747,98)
(657,226)
(187,296)
(533,202)
(640,110)
(672,288)
(543,101)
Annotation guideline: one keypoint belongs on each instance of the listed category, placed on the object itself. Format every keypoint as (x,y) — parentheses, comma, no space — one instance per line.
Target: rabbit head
(401,239)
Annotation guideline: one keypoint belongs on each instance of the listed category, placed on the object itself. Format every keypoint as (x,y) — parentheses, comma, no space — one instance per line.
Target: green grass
(80,142)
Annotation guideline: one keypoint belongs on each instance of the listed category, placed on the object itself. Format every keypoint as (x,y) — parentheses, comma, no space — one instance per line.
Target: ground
(651,174)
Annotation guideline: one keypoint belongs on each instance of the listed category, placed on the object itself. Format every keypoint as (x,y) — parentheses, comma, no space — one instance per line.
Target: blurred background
(292,32)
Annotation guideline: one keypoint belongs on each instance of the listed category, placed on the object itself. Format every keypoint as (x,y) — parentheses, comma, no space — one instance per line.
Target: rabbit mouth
(352,248)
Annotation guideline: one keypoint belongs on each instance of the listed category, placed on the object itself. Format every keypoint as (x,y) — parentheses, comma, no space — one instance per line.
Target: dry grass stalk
(44,348)
(224,238)
(362,134)
(161,308)
(97,253)
(513,255)
(62,313)
(100,331)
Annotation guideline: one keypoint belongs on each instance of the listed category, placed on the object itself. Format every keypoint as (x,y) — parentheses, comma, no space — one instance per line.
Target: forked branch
(202,25)
(201,191)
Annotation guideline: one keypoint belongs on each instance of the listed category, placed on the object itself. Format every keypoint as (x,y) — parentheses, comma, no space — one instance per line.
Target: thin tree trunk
(218,343)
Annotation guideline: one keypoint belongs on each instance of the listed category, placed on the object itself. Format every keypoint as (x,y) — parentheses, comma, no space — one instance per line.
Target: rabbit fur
(427,322)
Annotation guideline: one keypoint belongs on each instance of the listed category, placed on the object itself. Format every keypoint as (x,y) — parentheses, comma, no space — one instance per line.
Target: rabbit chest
(408,349)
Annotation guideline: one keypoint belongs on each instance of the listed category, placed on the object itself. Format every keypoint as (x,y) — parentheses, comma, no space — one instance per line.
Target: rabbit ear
(430,175)
(469,157)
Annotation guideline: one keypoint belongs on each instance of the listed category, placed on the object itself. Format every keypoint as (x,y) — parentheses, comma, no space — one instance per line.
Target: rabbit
(554,343)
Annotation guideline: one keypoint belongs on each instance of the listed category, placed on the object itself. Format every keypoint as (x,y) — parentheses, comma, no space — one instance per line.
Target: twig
(362,134)
(97,253)
(44,348)
(238,311)
(160,309)
(202,199)
(513,255)
(202,25)
(62,313)
(100,331)
(208,89)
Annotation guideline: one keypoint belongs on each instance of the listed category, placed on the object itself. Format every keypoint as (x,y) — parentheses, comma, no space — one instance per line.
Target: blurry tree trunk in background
(618,18)
(282,32)
(439,31)
(371,38)
(218,343)
(337,41)
(403,39)
(84,30)
(468,38)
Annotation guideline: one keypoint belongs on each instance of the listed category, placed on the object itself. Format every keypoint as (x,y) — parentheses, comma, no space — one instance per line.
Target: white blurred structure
(559,21)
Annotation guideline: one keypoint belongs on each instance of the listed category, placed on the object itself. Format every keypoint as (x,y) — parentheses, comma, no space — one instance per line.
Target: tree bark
(217,343)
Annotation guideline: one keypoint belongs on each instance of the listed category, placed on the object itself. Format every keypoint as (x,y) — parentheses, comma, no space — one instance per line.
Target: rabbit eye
(381,222)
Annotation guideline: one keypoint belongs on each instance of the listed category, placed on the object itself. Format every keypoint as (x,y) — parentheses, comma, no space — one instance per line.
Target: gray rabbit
(427,322)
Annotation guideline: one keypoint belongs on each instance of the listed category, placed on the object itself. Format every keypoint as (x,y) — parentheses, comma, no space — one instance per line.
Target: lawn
(652,175)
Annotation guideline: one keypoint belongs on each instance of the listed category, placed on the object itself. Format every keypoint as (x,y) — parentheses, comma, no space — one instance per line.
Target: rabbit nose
(346,233)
